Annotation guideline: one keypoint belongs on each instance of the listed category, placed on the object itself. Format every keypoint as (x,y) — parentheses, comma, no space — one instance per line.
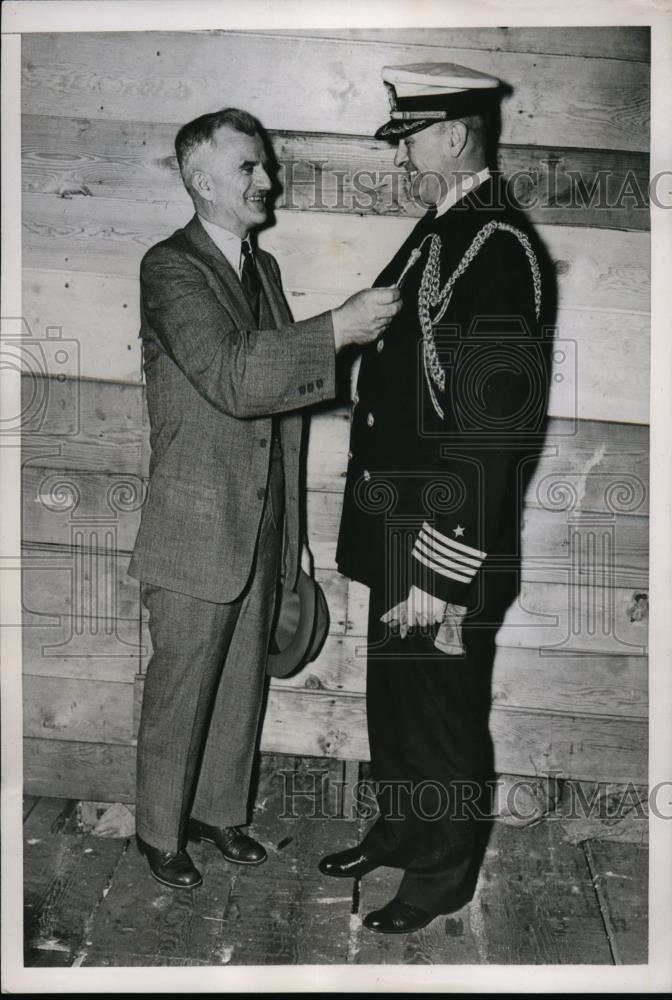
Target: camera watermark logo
(75,594)
(499,376)
(49,367)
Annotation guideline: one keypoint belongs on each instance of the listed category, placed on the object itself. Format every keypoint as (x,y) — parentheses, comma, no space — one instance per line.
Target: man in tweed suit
(448,408)
(227,374)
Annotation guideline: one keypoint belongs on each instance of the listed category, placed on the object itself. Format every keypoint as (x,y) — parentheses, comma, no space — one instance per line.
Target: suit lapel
(273,294)
(208,250)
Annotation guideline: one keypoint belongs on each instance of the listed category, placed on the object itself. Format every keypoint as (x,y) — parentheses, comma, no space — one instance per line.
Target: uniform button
(261,493)
(302,390)
(366,475)
(369,420)
(349,456)
(263,442)
(319,383)
(310,387)
(380,345)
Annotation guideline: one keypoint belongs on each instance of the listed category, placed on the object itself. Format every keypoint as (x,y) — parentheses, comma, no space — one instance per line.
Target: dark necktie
(249,279)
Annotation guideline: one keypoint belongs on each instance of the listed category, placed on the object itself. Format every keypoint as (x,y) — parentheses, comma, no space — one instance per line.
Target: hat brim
(400,129)
(301,628)
(468,102)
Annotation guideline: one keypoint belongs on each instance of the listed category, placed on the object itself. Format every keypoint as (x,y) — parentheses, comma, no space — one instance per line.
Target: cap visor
(399,129)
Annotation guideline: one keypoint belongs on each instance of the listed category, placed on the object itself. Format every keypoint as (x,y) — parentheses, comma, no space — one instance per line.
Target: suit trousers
(431,758)
(204,691)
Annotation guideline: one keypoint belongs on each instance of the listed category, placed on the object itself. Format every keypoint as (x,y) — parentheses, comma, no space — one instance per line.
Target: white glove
(421,608)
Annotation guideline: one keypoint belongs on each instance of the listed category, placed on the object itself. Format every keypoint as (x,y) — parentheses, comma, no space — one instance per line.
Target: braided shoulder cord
(432,296)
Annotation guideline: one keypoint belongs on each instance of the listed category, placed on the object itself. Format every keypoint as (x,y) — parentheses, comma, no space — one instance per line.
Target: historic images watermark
(75,596)
(320,185)
(89,573)
(574,513)
(314,794)
(564,543)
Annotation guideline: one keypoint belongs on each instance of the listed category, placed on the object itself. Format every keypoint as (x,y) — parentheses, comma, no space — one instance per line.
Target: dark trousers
(203,694)
(431,757)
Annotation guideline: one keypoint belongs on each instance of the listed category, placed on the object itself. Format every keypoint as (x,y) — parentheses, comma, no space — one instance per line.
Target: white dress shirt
(469,183)
(226,241)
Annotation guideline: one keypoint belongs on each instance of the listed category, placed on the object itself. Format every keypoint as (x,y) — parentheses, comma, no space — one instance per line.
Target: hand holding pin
(415,255)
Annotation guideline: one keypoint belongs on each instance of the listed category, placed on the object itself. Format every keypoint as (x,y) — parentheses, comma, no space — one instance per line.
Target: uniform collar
(463,187)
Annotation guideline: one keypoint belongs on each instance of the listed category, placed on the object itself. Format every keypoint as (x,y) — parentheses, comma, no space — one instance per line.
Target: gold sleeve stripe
(440,569)
(431,554)
(466,550)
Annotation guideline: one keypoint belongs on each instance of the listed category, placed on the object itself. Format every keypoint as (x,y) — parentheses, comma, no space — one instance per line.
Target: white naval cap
(421,94)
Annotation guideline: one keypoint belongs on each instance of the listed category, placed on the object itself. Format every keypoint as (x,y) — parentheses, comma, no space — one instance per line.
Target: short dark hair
(202,129)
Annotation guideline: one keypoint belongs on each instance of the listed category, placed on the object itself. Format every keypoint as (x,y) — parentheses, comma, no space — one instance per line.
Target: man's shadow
(502,572)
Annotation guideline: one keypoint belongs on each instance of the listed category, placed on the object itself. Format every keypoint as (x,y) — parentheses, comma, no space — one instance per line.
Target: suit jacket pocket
(188,496)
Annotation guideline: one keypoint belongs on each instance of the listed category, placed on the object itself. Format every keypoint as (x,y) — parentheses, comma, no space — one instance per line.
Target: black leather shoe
(175,870)
(352,863)
(235,845)
(398,917)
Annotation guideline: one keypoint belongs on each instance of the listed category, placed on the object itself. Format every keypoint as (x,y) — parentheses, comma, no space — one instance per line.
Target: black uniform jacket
(436,471)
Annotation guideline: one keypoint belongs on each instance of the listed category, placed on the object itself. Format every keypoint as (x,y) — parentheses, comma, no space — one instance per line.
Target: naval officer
(448,412)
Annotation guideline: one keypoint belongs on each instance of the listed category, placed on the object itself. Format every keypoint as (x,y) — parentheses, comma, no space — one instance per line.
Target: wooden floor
(89,901)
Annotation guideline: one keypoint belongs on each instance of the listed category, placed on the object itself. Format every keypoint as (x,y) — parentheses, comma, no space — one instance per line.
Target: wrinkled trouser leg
(203,695)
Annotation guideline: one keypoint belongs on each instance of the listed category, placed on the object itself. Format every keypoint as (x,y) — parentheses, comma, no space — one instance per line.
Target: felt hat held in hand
(302,624)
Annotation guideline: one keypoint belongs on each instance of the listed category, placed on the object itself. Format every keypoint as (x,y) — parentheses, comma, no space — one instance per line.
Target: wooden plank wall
(100,185)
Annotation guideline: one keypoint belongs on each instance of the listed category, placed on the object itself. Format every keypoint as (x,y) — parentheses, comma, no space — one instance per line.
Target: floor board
(540,899)
(536,900)
(139,916)
(280,913)
(620,875)
(29,803)
(65,876)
